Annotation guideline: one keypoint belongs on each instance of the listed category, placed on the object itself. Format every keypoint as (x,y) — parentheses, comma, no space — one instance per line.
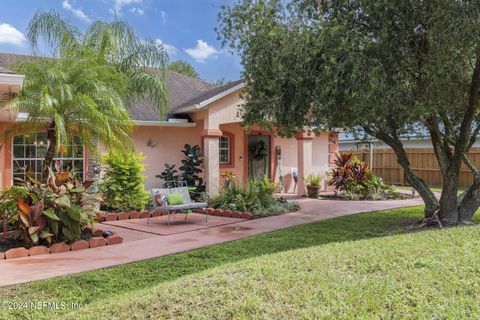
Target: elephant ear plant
(48,213)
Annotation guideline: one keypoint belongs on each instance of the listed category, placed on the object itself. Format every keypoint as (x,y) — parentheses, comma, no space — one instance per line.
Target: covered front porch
(252,153)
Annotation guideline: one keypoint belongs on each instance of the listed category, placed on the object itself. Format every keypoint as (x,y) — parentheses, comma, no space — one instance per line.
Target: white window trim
(13,159)
(228,150)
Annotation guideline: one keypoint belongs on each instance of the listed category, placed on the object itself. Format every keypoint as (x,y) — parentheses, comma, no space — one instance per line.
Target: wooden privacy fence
(423,162)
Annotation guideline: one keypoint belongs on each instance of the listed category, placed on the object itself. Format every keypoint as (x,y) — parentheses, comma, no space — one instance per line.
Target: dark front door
(258,156)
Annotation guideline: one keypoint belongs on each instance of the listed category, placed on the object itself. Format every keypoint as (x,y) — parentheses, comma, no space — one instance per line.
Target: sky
(185,27)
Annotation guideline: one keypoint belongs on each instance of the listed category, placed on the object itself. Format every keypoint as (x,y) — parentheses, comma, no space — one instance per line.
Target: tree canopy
(183,67)
(384,68)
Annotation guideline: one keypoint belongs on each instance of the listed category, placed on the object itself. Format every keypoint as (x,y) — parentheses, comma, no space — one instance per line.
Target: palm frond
(53,29)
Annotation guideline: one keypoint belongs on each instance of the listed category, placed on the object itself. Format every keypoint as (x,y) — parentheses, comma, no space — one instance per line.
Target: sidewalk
(143,245)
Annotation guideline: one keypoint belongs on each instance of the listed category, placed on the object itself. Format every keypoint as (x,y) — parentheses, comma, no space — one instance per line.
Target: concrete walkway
(140,245)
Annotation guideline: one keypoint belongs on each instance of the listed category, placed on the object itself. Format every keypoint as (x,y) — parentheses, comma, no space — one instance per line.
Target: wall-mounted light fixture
(152,143)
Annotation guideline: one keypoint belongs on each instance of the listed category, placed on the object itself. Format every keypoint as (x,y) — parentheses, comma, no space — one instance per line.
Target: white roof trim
(144,123)
(205,103)
(12,79)
(23,116)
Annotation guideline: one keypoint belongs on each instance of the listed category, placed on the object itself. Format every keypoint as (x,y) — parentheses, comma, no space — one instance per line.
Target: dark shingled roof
(182,90)
(4,70)
(210,94)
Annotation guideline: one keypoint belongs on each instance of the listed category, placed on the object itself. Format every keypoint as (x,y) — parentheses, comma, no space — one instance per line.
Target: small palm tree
(84,90)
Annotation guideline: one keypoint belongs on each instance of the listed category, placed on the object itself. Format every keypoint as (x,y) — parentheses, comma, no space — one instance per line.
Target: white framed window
(224,150)
(28,153)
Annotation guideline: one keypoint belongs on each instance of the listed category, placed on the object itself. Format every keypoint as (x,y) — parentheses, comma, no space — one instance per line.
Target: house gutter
(23,116)
(15,80)
(142,123)
(205,103)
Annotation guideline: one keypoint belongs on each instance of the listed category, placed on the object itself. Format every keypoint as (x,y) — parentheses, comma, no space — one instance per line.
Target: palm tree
(84,89)
(73,96)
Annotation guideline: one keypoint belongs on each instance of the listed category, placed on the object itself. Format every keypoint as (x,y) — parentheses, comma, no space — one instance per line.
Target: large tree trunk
(52,146)
(448,213)
(469,203)
(428,197)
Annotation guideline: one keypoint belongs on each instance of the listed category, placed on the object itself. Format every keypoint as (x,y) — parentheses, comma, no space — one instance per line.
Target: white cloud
(138,11)
(119,4)
(10,35)
(76,12)
(202,51)
(163,15)
(171,50)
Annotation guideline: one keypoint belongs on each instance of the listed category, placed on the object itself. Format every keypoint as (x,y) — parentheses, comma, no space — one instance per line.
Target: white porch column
(212,164)
(304,160)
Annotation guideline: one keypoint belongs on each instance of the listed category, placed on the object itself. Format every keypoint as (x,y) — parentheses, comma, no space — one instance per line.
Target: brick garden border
(96,241)
(114,216)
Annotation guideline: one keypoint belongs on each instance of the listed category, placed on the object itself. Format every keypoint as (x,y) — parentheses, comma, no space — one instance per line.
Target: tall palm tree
(85,89)
(73,96)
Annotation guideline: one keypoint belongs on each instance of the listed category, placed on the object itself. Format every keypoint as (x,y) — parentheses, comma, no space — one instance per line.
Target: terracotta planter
(313,191)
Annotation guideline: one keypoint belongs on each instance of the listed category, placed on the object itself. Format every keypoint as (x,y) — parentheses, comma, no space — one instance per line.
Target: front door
(258,156)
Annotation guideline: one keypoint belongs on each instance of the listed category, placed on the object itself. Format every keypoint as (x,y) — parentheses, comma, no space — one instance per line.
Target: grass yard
(434,189)
(360,266)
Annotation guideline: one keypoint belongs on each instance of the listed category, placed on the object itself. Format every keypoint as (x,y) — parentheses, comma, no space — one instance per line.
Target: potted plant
(313,182)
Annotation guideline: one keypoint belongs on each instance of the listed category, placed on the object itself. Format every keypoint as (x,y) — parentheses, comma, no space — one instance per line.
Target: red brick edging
(114,216)
(96,241)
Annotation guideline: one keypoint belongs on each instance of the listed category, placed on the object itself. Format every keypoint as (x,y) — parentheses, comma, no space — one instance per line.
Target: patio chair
(188,204)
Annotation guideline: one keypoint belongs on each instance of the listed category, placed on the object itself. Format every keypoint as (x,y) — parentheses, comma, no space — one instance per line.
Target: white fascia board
(205,103)
(142,123)
(12,79)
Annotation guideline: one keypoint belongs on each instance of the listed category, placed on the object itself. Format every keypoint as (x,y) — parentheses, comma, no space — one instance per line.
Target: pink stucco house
(200,113)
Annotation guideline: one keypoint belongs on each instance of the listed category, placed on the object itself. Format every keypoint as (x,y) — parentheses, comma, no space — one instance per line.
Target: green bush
(122,186)
(257,197)
(46,213)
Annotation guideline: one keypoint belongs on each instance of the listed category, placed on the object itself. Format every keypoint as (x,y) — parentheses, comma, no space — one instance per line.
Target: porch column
(304,160)
(212,163)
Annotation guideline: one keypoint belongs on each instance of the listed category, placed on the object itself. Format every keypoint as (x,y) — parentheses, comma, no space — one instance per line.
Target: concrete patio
(143,241)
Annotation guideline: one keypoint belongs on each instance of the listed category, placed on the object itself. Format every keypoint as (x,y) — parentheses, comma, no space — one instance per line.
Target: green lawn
(434,189)
(353,266)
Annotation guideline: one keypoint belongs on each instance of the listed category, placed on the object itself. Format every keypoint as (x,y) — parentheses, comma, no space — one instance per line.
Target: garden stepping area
(158,225)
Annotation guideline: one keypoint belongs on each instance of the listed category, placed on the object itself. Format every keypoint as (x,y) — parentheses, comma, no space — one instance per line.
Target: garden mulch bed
(9,243)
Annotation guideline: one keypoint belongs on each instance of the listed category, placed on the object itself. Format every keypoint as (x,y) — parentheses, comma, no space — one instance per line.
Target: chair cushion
(175,199)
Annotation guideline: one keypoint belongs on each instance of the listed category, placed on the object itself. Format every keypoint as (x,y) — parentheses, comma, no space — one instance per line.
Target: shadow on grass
(96,285)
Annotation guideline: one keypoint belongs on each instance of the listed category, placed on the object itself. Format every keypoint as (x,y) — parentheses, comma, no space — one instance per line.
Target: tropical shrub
(168,175)
(122,185)
(190,170)
(256,197)
(48,213)
(314,179)
(228,177)
(353,177)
